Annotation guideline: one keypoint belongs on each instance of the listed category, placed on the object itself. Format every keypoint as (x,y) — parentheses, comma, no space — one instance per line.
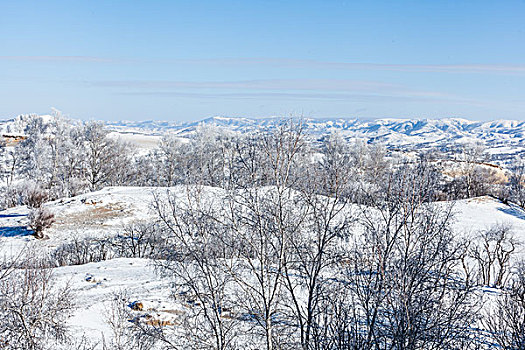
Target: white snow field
(105,212)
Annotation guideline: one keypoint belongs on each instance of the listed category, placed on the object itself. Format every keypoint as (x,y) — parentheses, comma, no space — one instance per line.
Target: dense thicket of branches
(33,307)
(277,240)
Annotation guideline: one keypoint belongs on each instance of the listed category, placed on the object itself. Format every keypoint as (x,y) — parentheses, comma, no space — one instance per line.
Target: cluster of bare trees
(64,159)
(274,241)
(506,319)
(284,257)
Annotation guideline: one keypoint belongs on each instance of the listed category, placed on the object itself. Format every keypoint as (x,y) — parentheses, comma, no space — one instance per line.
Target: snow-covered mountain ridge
(503,138)
(393,132)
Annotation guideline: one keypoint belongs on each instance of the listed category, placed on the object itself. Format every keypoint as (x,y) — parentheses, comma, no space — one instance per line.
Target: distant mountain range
(499,135)
(503,138)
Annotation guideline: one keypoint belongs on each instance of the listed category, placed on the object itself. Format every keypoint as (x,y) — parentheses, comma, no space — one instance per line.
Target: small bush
(140,240)
(82,251)
(35,197)
(40,219)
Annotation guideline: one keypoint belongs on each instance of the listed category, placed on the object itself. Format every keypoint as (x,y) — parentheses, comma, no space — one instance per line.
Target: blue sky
(187,60)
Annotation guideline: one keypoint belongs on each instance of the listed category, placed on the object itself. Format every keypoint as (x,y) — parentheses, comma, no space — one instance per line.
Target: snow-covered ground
(480,213)
(107,211)
(96,285)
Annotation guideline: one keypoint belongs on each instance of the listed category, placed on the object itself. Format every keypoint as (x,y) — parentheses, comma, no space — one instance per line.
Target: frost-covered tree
(34,308)
(516,184)
(106,160)
(68,158)
(314,252)
(168,161)
(404,285)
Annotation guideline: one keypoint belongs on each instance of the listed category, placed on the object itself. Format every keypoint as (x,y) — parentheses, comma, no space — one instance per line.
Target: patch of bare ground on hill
(94,215)
(482,199)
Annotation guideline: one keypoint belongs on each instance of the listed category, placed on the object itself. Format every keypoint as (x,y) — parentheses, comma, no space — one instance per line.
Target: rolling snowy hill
(105,212)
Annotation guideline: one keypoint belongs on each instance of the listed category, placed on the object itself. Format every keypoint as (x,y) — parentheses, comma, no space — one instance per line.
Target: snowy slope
(96,285)
(106,211)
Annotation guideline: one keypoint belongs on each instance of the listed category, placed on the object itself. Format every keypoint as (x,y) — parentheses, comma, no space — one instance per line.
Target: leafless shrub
(82,343)
(33,308)
(35,196)
(24,193)
(140,240)
(82,251)
(126,333)
(406,290)
(40,219)
(492,249)
(506,321)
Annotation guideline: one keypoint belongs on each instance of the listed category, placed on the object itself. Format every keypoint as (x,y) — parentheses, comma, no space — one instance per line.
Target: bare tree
(105,159)
(33,308)
(264,219)
(82,250)
(403,271)
(493,252)
(140,239)
(517,184)
(195,259)
(314,252)
(506,321)
(168,159)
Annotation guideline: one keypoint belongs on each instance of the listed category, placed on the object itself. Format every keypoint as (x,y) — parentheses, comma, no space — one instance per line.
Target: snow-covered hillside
(88,245)
(106,212)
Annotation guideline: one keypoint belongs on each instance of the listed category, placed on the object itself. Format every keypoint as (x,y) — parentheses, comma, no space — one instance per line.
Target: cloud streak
(257,84)
(443,68)
(278,89)
(60,59)
(472,68)
(310,96)
(292,88)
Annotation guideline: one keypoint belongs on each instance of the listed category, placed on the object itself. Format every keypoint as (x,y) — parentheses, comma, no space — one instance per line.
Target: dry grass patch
(94,215)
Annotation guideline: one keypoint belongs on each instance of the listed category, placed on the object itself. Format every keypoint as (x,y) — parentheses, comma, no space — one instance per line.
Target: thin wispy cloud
(318,96)
(281,88)
(258,84)
(475,68)
(408,67)
(59,59)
